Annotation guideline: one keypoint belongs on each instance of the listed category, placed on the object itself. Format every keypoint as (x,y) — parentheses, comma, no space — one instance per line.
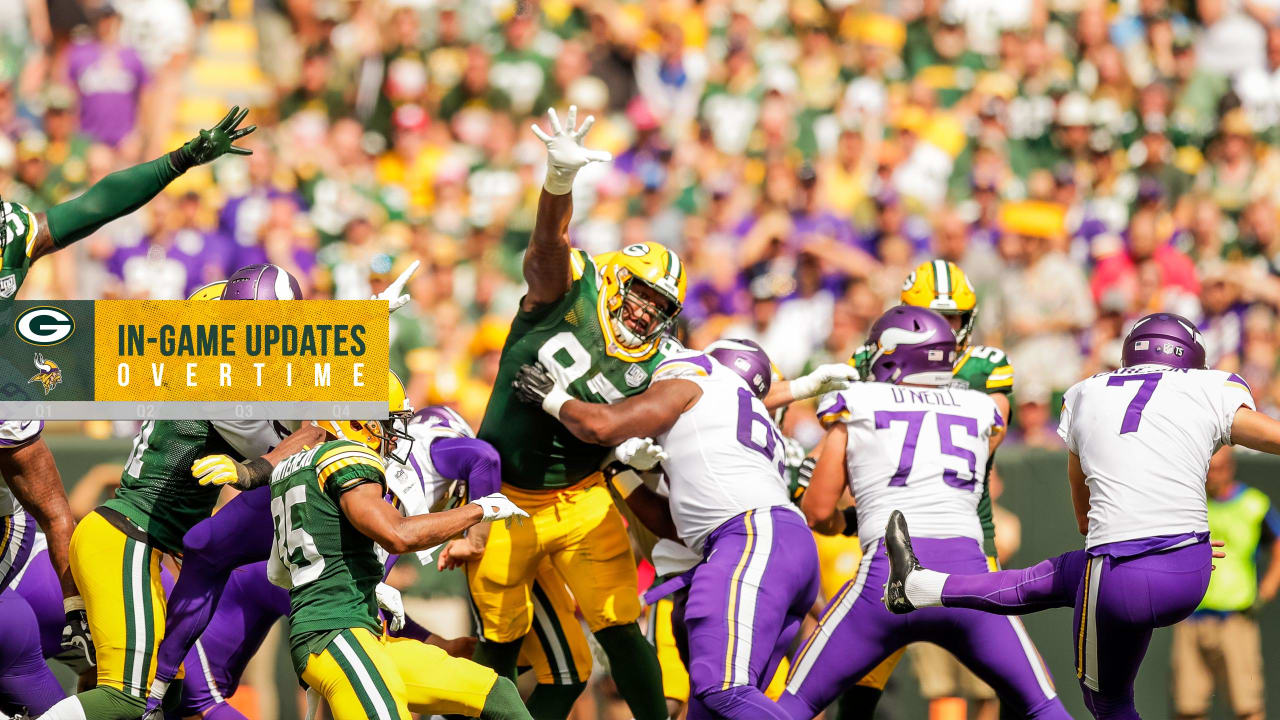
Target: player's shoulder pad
(580,263)
(683,363)
(835,407)
(19,220)
(1233,380)
(339,458)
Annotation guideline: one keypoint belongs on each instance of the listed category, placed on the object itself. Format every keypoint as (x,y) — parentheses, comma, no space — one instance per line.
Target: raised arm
(365,507)
(546,262)
(648,414)
(124,191)
(824,379)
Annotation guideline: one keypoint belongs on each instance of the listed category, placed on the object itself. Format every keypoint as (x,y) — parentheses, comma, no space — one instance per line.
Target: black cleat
(902,562)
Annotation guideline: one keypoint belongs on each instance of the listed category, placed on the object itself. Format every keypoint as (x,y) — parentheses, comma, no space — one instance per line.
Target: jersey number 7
(1133,413)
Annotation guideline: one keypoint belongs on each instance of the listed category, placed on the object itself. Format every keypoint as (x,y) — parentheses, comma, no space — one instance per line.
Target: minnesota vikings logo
(48,375)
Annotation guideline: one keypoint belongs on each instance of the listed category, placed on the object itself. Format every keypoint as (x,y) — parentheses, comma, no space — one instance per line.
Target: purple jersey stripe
(699,360)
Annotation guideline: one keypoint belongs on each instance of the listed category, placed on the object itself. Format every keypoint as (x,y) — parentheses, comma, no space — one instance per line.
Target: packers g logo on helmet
(380,435)
(657,268)
(942,286)
(212,291)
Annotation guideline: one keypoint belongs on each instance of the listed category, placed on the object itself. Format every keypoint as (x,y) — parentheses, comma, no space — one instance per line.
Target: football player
(330,518)
(208,562)
(445,465)
(747,598)
(909,440)
(115,550)
(941,286)
(26,236)
(599,325)
(1139,440)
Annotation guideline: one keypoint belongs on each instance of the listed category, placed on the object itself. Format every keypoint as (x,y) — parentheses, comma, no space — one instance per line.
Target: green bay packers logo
(44,325)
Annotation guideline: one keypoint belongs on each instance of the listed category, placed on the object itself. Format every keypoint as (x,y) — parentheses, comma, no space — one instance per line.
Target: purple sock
(1048,584)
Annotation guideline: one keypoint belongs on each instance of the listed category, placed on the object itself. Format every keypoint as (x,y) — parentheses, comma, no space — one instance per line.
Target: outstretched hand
(565,152)
(215,142)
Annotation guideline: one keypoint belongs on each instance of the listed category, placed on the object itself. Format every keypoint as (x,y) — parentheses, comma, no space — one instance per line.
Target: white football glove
(390,601)
(498,507)
(640,453)
(565,153)
(395,295)
(826,378)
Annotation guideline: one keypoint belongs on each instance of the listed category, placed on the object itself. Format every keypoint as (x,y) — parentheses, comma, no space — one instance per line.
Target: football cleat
(902,562)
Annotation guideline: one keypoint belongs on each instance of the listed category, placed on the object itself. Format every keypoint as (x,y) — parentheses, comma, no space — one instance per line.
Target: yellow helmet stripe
(674,268)
(942,277)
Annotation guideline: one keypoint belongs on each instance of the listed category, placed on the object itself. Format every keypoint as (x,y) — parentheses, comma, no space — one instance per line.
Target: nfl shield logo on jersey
(636,376)
(8,286)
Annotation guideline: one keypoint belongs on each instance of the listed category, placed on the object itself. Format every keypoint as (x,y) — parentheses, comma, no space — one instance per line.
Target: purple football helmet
(912,345)
(1164,339)
(747,359)
(263,281)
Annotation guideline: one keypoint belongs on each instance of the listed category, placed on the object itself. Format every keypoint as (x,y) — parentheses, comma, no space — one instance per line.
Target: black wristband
(259,473)
(178,161)
(850,522)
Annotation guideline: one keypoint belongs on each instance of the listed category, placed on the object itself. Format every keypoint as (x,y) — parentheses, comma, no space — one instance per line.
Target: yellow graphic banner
(261,351)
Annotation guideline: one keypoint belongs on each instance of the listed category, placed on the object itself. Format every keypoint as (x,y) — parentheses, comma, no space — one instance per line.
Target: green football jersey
(985,369)
(157,491)
(18,229)
(537,452)
(333,567)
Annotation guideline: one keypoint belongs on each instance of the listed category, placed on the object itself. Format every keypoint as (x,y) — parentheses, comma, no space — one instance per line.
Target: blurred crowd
(1085,162)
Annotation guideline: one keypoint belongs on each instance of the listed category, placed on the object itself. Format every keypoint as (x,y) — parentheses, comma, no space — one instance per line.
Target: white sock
(924,588)
(66,709)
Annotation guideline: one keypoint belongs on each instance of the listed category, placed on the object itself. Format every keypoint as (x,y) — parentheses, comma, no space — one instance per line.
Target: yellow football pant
(436,683)
(581,533)
(356,675)
(119,579)
(556,649)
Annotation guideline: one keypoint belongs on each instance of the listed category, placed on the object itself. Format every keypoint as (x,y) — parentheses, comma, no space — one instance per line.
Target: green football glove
(212,144)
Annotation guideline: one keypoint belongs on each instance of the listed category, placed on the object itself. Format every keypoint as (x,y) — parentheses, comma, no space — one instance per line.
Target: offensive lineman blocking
(909,440)
(723,458)
(1140,440)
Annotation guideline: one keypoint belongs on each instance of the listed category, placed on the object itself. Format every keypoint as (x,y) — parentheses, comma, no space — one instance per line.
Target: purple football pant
(1118,602)
(857,632)
(249,607)
(746,602)
(25,678)
(38,584)
(238,534)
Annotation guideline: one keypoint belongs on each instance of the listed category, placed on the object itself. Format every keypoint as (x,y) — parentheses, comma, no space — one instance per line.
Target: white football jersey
(921,450)
(725,455)
(416,484)
(1144,435)
(254,438)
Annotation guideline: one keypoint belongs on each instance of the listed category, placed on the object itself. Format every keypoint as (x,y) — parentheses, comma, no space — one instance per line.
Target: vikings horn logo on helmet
(49,375)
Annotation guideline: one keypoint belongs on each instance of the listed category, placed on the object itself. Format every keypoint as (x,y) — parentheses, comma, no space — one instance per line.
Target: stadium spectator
(1220,645)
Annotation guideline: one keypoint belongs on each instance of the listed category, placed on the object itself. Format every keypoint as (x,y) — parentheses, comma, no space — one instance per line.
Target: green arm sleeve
(114,196)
